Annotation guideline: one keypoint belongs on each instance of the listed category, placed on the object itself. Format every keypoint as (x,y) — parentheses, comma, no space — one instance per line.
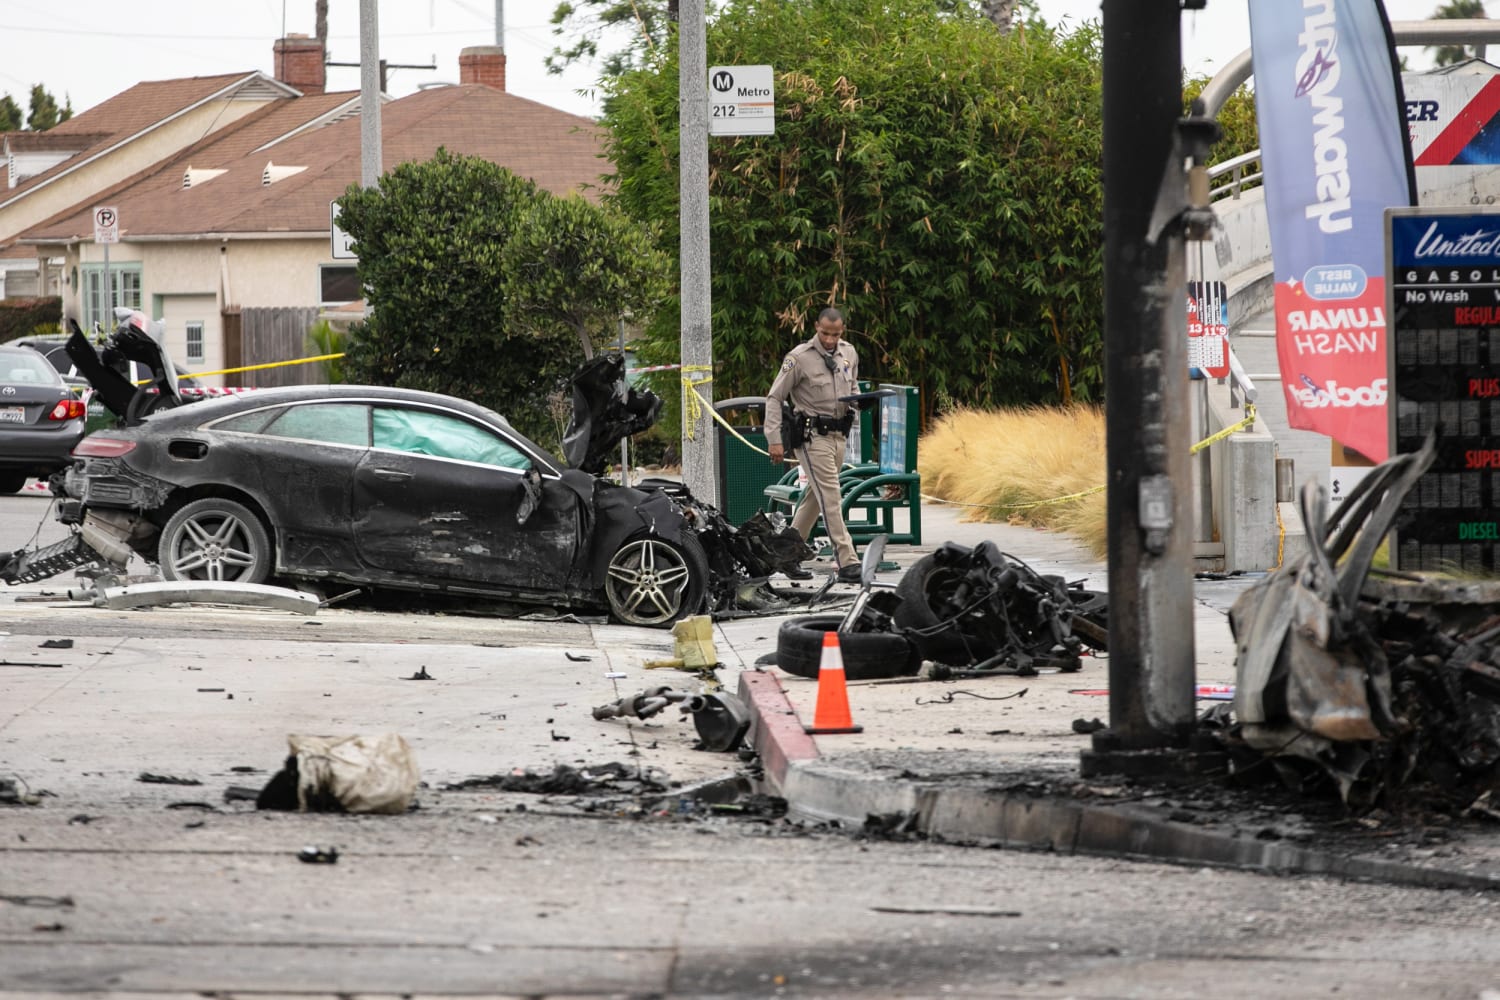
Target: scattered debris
(720,718)
(558,738)
(11,793)
(357,774)
(81,819)
(1086,726)
(166,592)
(57,644)
(420,675)
(199,806)
(318,855)
(948,696)
(27,663)
(147,778)
(240,793)
(45,902)
(566,780)
(951,910)
(577,657)
(692,646)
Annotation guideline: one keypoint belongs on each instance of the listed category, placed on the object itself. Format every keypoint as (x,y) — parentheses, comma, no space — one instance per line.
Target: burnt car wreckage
(1385,685)
(392,488)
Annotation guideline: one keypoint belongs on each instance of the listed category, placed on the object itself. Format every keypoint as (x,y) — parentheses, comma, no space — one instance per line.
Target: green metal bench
(867,510)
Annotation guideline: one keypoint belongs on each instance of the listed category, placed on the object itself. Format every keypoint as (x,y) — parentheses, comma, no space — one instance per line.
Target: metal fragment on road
(165,592)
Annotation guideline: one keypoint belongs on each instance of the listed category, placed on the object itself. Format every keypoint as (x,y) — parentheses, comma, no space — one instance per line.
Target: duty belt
(816,423)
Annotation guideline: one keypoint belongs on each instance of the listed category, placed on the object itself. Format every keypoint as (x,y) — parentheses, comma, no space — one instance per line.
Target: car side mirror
(531,494)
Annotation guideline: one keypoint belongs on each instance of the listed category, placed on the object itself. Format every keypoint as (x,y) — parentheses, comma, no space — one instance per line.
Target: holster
(793,429)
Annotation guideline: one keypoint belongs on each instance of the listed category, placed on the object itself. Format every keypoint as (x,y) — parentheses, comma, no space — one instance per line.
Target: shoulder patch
(788,364)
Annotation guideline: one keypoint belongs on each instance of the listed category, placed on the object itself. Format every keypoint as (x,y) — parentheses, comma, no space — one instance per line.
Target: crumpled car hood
(606,409)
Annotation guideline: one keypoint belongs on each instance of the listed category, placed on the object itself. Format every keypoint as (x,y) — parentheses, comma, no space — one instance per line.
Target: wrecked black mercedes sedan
(383,487)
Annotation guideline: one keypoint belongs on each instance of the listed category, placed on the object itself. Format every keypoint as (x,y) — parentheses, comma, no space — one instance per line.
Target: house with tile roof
(228,240)
(49,172)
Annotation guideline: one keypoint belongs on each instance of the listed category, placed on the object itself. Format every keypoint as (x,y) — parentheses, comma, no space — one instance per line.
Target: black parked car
(40,418)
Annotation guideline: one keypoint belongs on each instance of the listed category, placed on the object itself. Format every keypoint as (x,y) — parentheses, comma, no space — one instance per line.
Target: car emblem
(9,390)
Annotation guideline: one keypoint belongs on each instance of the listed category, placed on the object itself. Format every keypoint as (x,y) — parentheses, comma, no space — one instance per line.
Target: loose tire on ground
(654,581)
(866,655)
(215,540)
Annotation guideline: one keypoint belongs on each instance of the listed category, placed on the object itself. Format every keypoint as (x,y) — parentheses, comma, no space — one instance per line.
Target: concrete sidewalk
(996,760)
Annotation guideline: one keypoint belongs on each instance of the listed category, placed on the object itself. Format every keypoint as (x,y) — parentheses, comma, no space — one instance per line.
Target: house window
(195,340)
(338,284)
(96,305)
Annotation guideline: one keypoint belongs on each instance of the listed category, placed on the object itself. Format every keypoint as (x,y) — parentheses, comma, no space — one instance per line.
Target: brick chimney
(482,64)
(299,63)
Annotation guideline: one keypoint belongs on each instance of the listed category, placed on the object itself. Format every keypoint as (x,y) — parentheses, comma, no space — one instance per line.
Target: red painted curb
(775,732)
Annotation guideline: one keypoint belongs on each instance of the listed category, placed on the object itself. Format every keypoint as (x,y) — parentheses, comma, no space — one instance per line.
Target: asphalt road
(111,885)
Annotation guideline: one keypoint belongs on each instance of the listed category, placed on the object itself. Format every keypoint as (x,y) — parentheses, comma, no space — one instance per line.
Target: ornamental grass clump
(1005,462)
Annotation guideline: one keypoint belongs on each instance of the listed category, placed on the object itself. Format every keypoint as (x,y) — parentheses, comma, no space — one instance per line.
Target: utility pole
(1151,645)
(371,158)
(699,468)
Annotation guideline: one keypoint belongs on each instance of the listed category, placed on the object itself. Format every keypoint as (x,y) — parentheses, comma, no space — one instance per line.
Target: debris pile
(1387,686)
(969,611)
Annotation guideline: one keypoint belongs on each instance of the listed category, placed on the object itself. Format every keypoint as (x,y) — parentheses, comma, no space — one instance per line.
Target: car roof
(249,399)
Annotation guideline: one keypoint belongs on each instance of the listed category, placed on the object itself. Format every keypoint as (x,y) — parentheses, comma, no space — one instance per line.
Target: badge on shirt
(788,364)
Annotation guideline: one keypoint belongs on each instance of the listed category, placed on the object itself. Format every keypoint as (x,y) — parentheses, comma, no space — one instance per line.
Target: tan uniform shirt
(806,382)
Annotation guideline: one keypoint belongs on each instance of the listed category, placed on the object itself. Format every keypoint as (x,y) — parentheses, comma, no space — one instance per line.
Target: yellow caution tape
(1213,439)
(254,368)
(270,364)
(696,404)
(692,400)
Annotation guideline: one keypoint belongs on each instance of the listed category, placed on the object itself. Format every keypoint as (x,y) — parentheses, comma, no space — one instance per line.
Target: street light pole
(370,157)
(1151,647)
(698,439)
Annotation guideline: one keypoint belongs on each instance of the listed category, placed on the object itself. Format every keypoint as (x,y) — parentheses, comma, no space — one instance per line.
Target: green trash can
(743,472)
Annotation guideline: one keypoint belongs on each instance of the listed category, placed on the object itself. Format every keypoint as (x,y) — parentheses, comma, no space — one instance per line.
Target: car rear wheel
(11,482)
(653,581)
(215,540)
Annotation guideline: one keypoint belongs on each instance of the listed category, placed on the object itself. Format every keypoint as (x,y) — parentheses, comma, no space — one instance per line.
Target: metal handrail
(1239,380)
(1236,170)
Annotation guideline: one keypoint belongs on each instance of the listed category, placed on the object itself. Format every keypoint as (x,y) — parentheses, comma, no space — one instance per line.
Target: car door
(438,496)
(299,462)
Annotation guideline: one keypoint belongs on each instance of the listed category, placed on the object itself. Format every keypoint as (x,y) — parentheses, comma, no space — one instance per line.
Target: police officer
(812,378)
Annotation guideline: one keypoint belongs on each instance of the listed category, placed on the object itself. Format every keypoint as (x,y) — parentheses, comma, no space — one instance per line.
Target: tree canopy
(1447,55)
(938,180)
(44,113)
(480,284)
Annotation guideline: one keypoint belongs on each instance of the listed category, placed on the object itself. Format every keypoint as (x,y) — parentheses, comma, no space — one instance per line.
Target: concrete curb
(822,790)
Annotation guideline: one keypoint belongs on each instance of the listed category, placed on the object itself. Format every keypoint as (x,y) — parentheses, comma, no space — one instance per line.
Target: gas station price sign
(1443,271)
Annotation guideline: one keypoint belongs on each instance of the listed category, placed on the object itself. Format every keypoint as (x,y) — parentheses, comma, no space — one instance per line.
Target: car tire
(915,612)
(215,540)
(866,655)
(11,482)
(654,581)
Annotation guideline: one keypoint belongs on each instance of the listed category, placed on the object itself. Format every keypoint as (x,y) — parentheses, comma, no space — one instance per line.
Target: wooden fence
(260,335)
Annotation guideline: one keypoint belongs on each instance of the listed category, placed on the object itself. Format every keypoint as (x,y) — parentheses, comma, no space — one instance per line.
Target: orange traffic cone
(832,712)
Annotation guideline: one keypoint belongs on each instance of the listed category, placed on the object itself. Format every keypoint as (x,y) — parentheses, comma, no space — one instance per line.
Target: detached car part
(959,606)
(720,718)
